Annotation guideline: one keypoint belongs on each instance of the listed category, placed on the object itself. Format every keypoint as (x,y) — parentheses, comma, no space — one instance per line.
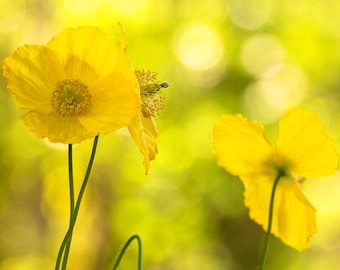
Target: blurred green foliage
(258,58)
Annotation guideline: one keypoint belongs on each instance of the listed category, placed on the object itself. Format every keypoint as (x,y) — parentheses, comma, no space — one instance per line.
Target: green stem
(73,219)
(124,248)
(270,219)
(70,166)
(71,188)
(70,177)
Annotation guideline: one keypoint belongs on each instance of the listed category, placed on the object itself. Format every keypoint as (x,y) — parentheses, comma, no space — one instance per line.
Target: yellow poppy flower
(80,84)
(303,150)
(143,128)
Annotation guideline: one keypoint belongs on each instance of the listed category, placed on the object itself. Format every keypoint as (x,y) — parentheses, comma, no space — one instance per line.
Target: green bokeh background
(258,58)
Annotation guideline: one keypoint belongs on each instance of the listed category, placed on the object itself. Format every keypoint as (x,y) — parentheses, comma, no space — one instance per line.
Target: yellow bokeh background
(258,58)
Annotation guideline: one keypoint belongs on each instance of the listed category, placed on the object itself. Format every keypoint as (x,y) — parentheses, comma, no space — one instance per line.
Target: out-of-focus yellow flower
(303,150)
(143,128)
(77,86)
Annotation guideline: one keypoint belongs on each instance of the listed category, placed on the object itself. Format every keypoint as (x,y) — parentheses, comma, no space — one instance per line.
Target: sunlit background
(258,58)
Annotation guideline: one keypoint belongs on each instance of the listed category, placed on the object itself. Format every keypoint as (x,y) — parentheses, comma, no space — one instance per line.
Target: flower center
(152,102)
(277,164)
(71,98)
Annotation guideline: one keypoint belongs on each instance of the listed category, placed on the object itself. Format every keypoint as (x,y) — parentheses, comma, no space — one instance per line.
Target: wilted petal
(144,132)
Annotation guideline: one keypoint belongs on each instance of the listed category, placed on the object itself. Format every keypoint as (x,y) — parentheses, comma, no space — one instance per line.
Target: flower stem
(66,243)
(270,219)
(70,177)
(71,187)
(124,248)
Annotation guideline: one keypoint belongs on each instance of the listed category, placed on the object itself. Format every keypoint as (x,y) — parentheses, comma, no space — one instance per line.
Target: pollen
(71,98)
(150,88)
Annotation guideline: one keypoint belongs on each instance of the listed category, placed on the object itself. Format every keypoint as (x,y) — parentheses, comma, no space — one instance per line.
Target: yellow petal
(240,145)
(143,131)
(293,215)
(86,53)
(82,54)
(66,130)
(150,135)
(114,103)
(32,73)
(123,62)
(302,140)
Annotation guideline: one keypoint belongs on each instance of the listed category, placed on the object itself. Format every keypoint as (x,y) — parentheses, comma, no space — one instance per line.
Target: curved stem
(73,219)
(124,248)
(270,219)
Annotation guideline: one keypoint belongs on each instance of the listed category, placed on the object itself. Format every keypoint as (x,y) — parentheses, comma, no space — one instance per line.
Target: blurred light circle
(12,14)
(261,53)
(84,5)
(199,47)
(128,7)
(249,14)
(270,96)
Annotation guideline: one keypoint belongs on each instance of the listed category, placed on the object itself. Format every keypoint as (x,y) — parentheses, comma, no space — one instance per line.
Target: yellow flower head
(80,84)
(143,127)
(303,150)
